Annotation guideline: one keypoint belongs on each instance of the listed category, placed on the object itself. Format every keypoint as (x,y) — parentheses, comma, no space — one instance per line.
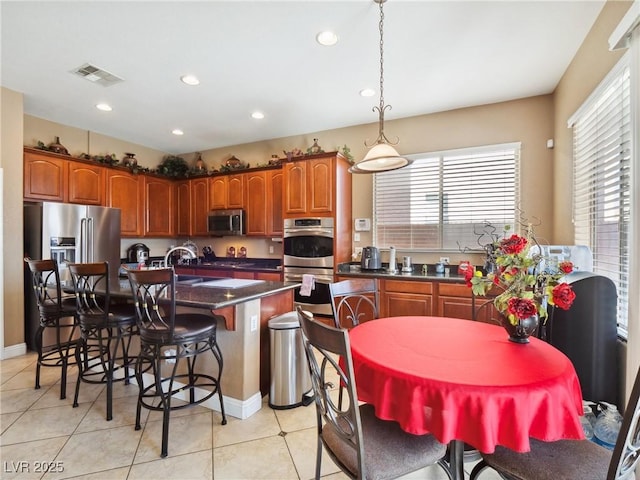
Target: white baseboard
(13,351)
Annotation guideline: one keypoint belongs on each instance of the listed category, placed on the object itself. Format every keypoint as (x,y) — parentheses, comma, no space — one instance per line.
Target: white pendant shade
(381,157)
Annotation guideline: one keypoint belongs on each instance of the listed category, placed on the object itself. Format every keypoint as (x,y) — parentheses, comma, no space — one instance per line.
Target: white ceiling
(262,55)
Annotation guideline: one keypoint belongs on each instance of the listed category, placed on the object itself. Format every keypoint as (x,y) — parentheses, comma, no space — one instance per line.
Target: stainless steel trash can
(290,379)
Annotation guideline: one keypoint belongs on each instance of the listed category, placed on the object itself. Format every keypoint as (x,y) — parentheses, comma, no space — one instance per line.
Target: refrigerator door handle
(83,240)
(90,239)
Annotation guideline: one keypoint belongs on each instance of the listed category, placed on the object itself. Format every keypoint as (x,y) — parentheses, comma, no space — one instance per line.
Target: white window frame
(604,169)
(404,217)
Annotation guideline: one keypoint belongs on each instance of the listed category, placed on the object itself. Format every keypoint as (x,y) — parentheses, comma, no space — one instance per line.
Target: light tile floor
(38,429)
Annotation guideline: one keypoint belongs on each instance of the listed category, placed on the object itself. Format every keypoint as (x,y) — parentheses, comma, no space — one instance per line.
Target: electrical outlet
(271,249)
(444,259)
(254,323)
(356,237)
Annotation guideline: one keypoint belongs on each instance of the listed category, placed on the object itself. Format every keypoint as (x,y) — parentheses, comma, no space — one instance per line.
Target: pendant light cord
(382,138)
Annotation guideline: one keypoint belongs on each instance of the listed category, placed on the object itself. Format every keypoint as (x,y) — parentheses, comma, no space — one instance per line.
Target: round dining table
(464,382)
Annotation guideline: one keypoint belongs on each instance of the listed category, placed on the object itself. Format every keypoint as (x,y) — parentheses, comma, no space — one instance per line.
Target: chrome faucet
(175,249)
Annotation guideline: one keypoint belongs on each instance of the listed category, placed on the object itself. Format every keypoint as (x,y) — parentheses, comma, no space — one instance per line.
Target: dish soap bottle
(607,426)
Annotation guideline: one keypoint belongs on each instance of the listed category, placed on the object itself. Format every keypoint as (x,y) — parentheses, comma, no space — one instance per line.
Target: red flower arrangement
(526,288)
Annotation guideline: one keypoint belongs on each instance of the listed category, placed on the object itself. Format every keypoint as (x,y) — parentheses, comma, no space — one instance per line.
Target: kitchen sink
(188,279)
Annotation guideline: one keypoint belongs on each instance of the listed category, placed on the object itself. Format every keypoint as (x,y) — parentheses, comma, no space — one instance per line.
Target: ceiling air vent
(97,75)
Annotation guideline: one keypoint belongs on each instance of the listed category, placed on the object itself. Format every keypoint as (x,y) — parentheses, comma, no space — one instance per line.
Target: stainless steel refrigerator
(68,233)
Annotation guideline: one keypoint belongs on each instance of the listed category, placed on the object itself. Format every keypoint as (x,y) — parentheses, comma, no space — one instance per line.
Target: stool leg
(138,373)
(217,353)
(81,356)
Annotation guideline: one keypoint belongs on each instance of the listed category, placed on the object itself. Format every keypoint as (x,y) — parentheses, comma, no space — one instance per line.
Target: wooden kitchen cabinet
(227,192)
(199,189)
(275,224)
(317,185)
(401,297)
(257,203)
(454,300)
(159,206)
(44,176)
(124,190)
(183,208)
(86,183)
(309,186)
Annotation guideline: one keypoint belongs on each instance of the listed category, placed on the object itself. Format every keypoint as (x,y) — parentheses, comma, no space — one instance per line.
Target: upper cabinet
(45,176)
(86,183)
(256,221)
(199,195)
(124,190)
(311,185)
(227,191)
(52,177)
(275,184)
(159,207)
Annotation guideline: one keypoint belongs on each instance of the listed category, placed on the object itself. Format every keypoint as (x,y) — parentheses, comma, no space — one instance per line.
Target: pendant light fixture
(381,157)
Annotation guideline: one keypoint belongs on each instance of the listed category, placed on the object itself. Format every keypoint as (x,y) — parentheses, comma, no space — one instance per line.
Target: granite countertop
(213,298)
(232,263)
(353,269)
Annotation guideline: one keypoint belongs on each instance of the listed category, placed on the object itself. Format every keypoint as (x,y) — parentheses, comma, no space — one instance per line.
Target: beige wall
(529,121)
(12,245)
(78,141)
(590,65)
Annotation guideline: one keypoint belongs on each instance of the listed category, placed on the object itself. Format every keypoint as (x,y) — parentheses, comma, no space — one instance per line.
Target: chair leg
(38,342)
(138,373)
(478,469)
(81,358)
(318,458)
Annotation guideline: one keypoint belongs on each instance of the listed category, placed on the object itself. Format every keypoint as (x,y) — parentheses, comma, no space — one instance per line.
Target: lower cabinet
(401,298)
(454,300)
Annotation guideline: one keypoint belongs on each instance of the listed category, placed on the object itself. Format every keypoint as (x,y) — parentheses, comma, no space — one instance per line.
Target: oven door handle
(299,232)
(293,277)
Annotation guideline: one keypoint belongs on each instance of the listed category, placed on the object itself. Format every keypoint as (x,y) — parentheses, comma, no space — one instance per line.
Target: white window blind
(602,155)
(436,202)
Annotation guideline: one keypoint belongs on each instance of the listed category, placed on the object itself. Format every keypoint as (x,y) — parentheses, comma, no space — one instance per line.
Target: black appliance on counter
(587,333)
(371,259)
(138,253)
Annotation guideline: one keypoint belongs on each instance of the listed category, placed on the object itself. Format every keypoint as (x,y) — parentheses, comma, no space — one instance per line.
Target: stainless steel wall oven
(308,249)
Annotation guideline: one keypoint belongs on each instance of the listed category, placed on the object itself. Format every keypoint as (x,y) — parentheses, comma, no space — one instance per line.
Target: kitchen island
(243,337)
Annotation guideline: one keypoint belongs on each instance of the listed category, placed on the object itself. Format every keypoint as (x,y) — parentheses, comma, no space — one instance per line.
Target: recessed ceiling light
(367,92)
(177,131)
(257,115)
(105,107)
(327,38)
(190,80)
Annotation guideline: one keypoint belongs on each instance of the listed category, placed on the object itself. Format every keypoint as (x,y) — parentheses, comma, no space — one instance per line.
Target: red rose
(522,307)
(566,267)
(563,296)
(513,245)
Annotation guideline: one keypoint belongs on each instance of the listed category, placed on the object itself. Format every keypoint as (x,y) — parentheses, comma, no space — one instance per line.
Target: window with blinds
(438,201)
(602,156)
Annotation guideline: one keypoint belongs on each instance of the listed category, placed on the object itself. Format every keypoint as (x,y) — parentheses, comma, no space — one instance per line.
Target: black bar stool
(169,337)
(106,329)
(52,309)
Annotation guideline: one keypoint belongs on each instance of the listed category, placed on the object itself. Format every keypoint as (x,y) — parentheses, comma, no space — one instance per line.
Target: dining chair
(573,459)
(176,339)
(56,315)
(354,301)
(106,327)
(360,444)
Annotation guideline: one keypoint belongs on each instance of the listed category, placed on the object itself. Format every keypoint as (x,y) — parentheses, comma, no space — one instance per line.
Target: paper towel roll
(392,260)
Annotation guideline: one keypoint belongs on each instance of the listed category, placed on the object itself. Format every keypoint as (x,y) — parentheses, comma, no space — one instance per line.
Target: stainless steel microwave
(226,222)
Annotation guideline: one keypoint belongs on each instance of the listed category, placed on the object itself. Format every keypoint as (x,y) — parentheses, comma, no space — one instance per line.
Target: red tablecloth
(464,380)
